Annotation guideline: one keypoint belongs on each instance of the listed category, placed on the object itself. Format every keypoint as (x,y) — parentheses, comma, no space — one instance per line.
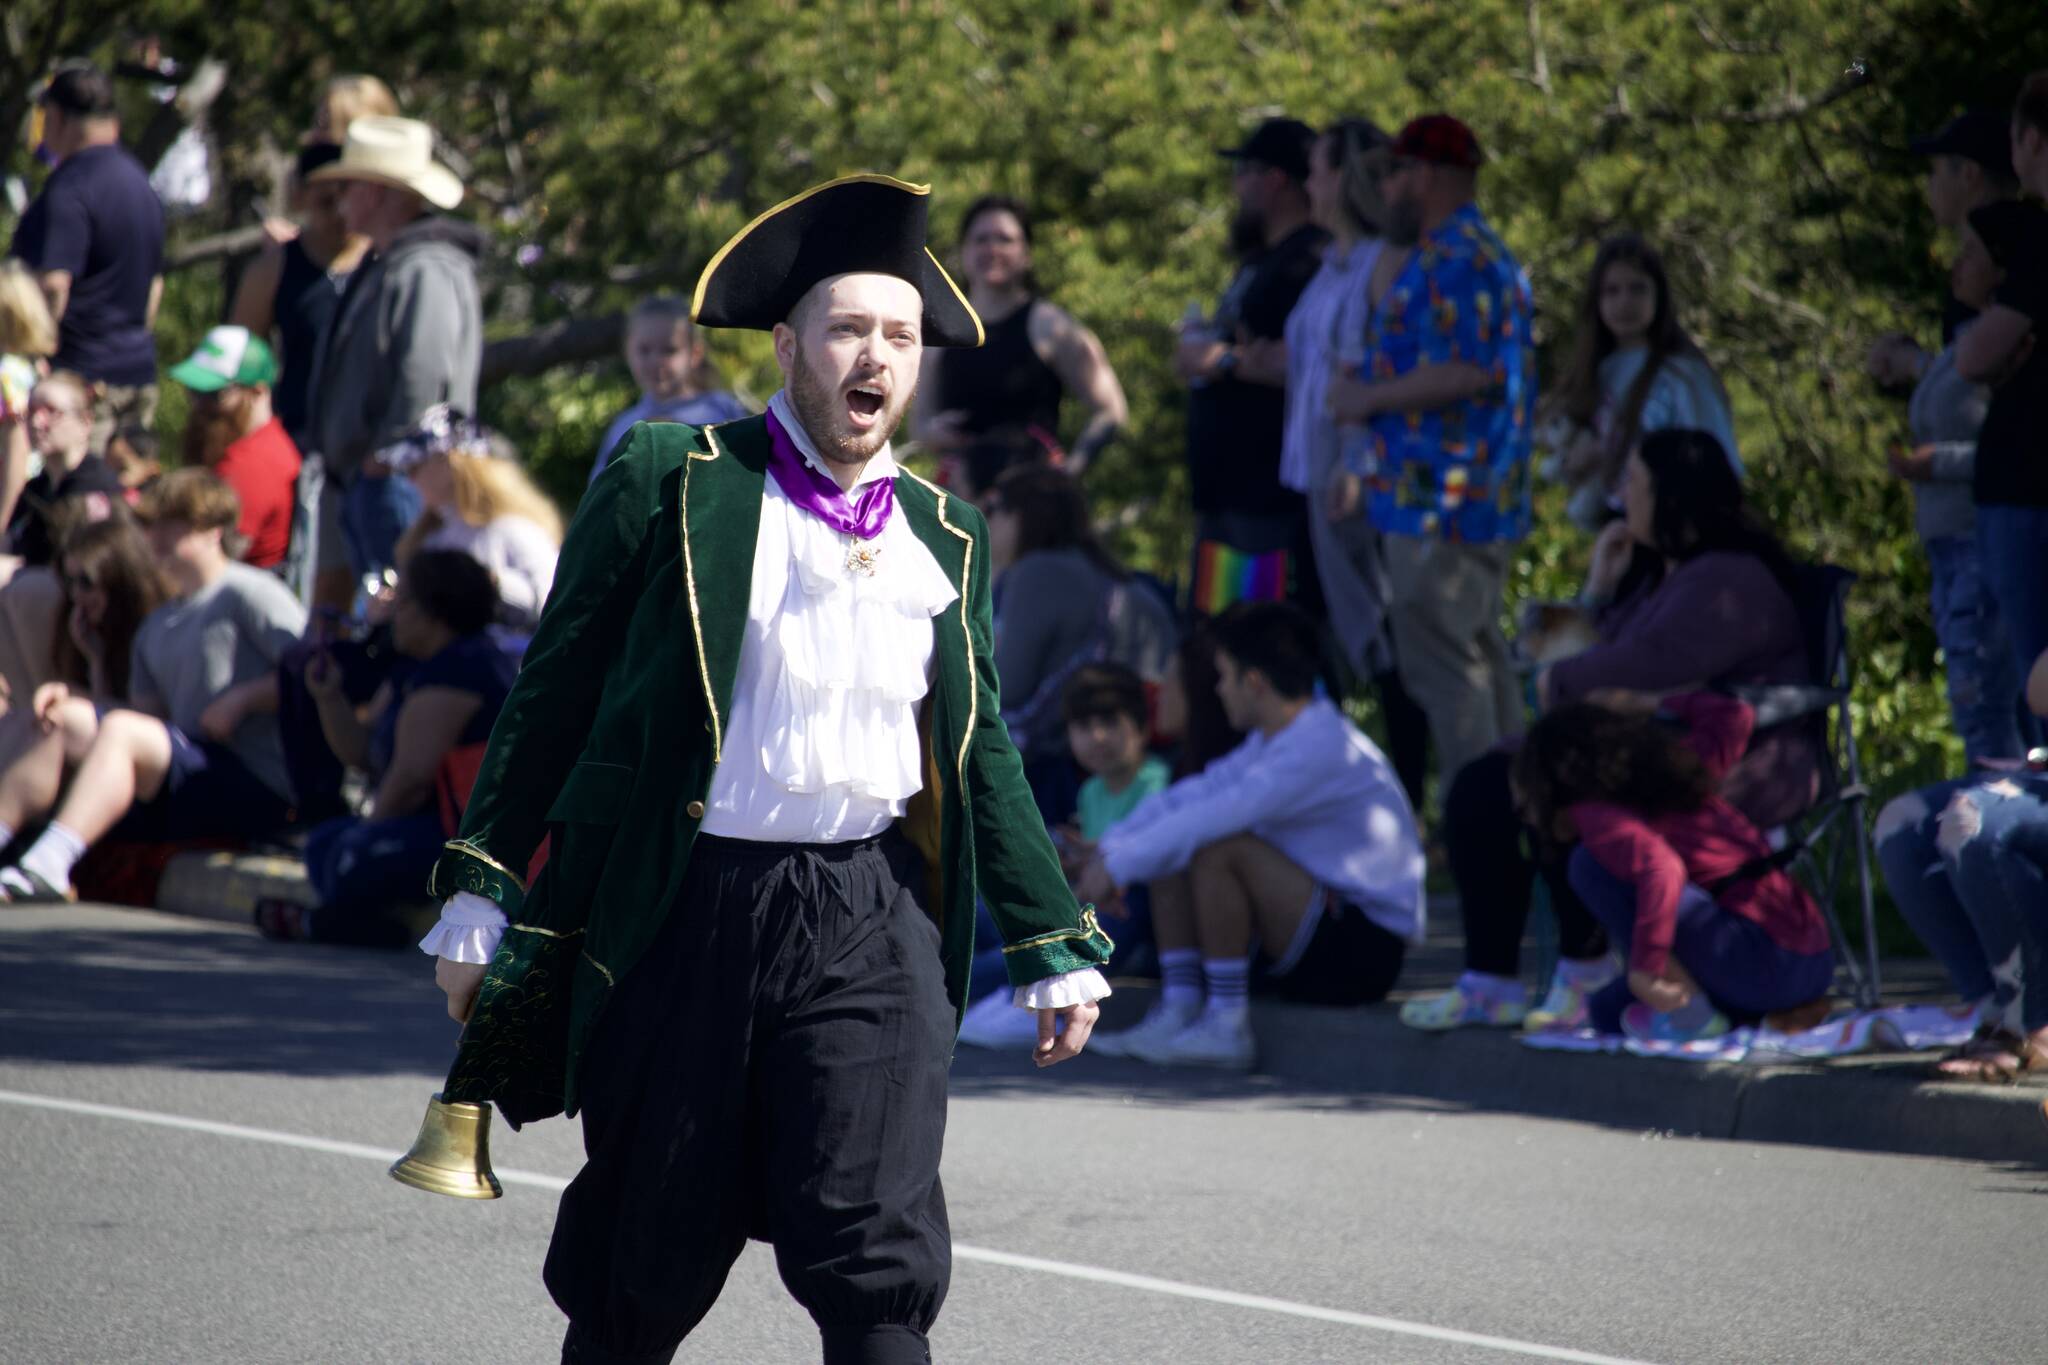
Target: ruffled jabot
(854,648)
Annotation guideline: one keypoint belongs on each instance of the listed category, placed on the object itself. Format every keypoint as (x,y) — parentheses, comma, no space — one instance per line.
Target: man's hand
(1350,400)
(221,717)
(49,697)
(461,981)
(1895,360)
(1660,993)
(1915,464)
(1094,883)
(1195,359)
(1346,494)
(1055,1046)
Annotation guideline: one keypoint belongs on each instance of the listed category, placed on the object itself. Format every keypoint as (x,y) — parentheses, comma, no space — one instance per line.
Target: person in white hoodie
(1295,854)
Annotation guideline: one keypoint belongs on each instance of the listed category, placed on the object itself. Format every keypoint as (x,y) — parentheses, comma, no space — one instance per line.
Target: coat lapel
(952,647)
(721,516)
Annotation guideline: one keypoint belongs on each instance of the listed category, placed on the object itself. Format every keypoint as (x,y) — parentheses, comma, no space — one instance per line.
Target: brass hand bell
(452,1154)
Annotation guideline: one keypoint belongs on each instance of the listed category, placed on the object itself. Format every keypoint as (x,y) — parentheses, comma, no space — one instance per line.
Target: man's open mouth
(865,402)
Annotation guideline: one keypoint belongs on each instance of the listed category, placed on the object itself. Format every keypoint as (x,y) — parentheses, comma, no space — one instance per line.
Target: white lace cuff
(1058,992)
(469,930)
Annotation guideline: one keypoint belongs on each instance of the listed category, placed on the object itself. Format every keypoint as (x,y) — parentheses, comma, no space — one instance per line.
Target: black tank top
(1002,385)
(306,296)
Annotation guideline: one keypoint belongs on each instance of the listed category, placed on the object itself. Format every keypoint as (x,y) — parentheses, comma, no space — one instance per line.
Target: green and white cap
(228,355)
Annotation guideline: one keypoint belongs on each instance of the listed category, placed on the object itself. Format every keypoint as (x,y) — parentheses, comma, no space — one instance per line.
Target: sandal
(39,892)
(1993,1056)
(283,920)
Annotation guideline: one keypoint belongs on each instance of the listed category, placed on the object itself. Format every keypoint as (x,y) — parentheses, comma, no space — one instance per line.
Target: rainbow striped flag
(1225,576)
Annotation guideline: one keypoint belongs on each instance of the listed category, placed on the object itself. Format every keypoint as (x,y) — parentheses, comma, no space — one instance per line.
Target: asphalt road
(1103,1212)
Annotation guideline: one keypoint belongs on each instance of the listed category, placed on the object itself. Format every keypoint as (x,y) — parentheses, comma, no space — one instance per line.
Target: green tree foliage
(1761,144)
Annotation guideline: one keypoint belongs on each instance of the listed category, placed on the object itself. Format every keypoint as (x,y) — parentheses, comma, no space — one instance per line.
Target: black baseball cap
(1282,143)
(80,89)
(1976,135)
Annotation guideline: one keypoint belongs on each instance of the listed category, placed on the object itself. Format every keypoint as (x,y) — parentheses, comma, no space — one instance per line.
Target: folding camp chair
(1821,843)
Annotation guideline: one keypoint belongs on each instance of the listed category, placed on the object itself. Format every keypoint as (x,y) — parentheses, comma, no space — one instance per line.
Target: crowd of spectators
(302,633)
(179,671)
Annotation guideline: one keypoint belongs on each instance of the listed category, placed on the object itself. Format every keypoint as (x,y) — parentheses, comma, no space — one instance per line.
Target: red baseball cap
(1440,140)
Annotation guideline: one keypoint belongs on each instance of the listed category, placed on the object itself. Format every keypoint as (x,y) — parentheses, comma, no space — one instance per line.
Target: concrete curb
(1880,1103)
(1869,1103)
(226,887)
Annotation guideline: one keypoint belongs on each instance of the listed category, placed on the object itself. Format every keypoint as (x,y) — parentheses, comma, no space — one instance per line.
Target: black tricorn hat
(857,224)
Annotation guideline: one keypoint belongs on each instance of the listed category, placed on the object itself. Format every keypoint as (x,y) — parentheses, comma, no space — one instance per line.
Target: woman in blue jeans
(1946,415)
(1967,862)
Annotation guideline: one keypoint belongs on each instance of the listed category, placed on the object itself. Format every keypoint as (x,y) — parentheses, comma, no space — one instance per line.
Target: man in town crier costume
(759,718)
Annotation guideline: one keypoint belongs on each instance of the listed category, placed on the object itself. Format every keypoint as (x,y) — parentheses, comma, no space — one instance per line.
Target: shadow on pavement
(216,1001)
(980,1073)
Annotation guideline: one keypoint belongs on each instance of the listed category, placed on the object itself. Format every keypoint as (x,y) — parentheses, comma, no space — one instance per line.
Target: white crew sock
(52,856)
(1180,971)
(1229,980)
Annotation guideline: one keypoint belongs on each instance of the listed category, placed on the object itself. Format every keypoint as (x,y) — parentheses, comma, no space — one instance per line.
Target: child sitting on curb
(1106,715)
(1296,850)
(1685,885)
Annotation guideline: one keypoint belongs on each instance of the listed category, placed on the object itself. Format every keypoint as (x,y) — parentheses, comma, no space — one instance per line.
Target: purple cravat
(861,516)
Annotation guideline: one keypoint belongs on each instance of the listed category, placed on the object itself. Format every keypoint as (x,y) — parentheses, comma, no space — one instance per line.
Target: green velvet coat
(611,734)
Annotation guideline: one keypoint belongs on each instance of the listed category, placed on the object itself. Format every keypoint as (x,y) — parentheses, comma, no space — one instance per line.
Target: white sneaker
(1219,1040)
(1162,1021)
(994,1022)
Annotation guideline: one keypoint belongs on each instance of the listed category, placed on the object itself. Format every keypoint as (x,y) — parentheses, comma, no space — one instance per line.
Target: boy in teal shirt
(1104,707)
(1107,717)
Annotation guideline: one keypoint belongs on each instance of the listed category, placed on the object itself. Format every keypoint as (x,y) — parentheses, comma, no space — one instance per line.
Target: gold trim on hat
(864,178)
(980,336)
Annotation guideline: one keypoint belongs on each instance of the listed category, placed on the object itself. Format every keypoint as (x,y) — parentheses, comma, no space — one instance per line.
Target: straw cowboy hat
(394,151)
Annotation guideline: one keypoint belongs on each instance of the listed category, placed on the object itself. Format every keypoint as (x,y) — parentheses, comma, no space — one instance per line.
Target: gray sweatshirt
(407,334)
(1945,412)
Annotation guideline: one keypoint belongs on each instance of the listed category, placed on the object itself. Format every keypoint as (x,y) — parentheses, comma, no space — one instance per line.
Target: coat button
(695,810)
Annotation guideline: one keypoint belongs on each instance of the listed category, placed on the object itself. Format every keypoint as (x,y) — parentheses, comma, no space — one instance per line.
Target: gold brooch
(861,557)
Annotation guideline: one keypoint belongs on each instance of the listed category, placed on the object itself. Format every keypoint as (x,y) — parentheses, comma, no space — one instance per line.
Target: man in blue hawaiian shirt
(1446,397)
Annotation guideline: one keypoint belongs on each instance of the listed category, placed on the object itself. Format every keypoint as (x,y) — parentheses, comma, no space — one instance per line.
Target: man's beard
(208,436)
(821,407)
(1404,222)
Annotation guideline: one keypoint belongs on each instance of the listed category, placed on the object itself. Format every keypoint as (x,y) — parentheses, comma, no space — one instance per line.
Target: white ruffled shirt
(821,745)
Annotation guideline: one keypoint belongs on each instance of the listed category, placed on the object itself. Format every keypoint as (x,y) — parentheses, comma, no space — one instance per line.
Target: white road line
(1232,1298)
(270,1135)
(1094,1274)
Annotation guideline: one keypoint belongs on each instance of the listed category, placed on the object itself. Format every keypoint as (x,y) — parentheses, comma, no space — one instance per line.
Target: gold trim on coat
(1089,929)
(966,633)
(690,584)
(464,846)
(544,933)
(601,969)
